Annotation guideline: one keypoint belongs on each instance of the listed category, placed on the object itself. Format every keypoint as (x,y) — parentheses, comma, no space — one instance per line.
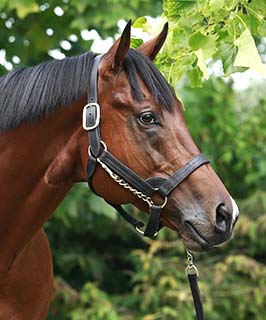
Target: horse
(45,150)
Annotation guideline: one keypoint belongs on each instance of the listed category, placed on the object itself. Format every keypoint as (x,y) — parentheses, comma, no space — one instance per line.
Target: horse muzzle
(200,233)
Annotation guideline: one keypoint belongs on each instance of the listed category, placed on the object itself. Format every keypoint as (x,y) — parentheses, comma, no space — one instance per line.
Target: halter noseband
(123,175)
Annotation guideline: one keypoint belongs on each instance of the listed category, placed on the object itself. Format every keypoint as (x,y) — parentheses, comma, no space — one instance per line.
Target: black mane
(27,94)
(136,64)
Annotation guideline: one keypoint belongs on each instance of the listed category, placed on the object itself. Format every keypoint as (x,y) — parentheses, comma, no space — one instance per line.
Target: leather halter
(123,175)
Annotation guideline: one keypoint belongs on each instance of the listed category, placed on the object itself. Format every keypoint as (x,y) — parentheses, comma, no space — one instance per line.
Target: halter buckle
(96,121)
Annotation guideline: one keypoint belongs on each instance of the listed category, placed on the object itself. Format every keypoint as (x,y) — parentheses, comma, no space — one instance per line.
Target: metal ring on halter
(102,143)
(142,232)
(164,202)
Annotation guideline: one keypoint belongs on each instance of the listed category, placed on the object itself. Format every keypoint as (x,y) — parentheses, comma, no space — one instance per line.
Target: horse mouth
(198,237)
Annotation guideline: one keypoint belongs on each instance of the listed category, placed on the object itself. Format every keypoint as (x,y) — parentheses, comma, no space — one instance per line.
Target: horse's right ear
(153,46)
(114,57)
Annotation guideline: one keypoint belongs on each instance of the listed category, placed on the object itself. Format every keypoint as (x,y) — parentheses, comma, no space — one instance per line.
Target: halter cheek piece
(123,175)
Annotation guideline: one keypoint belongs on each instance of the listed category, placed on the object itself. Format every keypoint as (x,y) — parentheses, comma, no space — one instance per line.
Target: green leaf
(205,43)
(173,9)
(227,53)
(139,23)
(180,67)
(201,63)
(195,76)
(216,4)
(247,55)
(257,6)
(135,43)
(252,22)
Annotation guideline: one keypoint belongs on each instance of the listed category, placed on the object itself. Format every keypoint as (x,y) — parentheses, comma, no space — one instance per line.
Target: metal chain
(125,185)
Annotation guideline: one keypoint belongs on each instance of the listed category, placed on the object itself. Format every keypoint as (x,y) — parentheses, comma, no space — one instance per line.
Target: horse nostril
(223,218)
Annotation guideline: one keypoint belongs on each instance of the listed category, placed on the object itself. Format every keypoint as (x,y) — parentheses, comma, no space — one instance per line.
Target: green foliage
(162,284)
(201,31)
(25,25)
(247,55)
(230,128)
(94,306)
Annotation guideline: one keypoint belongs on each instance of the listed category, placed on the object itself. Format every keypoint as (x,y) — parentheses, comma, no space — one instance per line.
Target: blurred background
(103,269)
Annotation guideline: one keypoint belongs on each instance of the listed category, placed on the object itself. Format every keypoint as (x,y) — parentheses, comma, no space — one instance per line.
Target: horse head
(142,124)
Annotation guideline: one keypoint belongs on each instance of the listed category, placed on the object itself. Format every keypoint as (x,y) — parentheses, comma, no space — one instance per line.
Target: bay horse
(44,151)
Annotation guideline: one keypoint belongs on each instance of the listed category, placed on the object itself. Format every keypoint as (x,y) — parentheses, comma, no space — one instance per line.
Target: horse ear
(153,46)
(114,57)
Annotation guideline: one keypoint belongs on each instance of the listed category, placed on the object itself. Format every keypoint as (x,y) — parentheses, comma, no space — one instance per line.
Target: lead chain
(125,185)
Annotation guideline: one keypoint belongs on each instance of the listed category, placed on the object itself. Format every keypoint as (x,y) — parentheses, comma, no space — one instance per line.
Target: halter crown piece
(128,179)
(123,175)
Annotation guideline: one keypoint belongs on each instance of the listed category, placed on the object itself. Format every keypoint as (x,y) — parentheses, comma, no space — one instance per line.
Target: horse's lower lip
(197,236)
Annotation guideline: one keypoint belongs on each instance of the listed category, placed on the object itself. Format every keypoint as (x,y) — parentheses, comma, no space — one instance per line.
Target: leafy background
(103,269)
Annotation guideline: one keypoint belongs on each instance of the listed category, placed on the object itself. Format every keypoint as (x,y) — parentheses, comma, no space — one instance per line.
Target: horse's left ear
(114,57)
(153,46)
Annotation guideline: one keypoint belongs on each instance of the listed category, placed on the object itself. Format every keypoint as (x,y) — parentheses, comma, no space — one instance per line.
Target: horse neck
(32,184)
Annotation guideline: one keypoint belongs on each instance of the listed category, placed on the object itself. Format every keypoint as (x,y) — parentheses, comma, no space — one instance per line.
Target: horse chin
(191,238)
(196,246)
(195,242)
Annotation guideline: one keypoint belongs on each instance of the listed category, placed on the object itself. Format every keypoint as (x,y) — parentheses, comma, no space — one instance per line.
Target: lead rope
(192,274)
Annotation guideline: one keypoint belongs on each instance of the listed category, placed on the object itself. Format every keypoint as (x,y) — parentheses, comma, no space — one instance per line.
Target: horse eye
(148,118)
